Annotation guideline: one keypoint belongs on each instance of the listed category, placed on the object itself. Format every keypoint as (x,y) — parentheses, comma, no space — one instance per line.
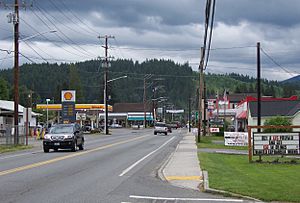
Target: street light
(47,101)
(36,35)
(105,102)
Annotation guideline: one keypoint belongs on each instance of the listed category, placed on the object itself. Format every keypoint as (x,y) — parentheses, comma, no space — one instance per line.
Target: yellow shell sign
(68,95)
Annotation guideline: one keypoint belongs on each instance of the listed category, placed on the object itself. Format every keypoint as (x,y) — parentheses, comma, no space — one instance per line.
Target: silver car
(160,127)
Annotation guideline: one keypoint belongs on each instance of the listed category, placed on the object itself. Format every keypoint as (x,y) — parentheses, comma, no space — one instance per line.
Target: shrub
(278,121)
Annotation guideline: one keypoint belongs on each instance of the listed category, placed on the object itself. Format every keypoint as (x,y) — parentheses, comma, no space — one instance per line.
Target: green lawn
(207,142)
(12,148)
(268,182)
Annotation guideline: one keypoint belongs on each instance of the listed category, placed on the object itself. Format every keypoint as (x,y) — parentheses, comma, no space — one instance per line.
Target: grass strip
(265,181)
(12,148)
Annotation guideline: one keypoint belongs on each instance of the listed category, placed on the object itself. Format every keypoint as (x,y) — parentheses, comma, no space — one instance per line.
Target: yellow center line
(183,178)
(30,166)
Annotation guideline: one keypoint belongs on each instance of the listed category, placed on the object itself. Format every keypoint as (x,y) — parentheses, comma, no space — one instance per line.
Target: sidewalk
(183,168)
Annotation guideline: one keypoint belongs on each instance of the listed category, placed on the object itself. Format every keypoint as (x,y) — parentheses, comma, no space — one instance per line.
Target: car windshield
(61,129)
(160,125)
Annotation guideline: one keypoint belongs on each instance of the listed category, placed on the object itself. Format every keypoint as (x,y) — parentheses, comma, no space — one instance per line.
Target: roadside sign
(68,106)
(236,138)
(214,130)
(25,114)
(276,143)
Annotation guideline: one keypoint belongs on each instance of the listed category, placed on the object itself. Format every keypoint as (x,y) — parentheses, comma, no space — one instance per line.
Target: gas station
(84,112)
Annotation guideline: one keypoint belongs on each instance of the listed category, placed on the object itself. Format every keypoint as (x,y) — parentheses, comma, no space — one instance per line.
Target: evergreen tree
(4,90)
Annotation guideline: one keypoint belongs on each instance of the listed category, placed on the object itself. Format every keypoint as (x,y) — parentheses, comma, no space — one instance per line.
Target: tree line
(164,78)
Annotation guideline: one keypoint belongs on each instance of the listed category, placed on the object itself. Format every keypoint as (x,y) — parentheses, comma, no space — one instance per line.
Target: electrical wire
(277,64)
(211,31)
(57,44)
(90,29)
(73,45)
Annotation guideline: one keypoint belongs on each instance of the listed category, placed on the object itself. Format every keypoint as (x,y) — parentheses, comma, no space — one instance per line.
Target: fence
(7,135)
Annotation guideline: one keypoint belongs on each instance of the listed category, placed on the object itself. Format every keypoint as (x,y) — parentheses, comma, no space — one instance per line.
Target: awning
(139,118)
(242,115)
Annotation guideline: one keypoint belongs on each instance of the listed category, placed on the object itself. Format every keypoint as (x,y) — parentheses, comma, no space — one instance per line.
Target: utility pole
(106,65)
(258,88)
(200,93)
(189,114)
(14,18)
(205,109)
(16,73)
(144,100)
(148,76)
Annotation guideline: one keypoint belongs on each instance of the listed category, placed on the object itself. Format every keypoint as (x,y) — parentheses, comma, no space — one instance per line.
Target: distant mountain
(294,80)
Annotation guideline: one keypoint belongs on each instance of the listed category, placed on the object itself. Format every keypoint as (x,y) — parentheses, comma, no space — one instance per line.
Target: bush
(278,121)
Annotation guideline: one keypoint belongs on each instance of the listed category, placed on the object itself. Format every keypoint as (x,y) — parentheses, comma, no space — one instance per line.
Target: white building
(7,114)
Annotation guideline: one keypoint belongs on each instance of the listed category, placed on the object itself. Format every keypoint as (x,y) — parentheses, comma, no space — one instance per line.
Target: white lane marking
(185,199)
(16,155)
(145,157)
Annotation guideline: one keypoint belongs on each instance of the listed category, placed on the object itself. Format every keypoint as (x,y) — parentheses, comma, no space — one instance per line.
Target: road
(116,168)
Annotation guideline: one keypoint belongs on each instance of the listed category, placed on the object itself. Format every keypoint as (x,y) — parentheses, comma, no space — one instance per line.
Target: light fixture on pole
(47,101)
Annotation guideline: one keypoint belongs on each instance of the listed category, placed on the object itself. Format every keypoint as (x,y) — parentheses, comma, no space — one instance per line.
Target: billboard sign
(236,138)
(276,143)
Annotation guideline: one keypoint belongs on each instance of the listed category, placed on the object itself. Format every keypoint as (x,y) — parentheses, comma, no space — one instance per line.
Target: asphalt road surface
(118,168)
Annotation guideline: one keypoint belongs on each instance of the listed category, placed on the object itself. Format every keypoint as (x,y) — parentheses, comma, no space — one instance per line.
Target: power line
(211,31)
(74,45)
(86,27)
(280,66)
(57,44)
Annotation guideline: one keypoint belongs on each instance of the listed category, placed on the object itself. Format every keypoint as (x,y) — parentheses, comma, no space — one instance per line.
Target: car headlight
(47,137)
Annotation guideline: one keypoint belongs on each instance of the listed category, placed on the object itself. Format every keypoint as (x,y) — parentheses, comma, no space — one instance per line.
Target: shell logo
(68,96)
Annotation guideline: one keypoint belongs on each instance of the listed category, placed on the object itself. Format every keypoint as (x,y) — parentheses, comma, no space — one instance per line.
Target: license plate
(56,144)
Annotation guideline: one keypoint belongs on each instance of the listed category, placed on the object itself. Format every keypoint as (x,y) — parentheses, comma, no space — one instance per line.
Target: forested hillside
(176,82)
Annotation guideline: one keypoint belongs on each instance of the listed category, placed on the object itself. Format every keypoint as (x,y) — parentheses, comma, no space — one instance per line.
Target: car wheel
(166,133)
(46,150)
(74,146)
(81,146)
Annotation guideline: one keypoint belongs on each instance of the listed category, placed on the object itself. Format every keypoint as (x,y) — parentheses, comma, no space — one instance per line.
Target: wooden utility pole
(16,73)
(144,101)
(258,88)
(200,93)
(106,65)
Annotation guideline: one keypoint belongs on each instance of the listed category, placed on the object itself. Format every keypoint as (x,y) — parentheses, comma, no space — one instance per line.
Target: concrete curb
(160,172)
(206,188)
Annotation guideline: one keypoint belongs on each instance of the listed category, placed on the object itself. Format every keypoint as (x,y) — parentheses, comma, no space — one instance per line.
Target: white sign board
(159,110)
(27,112)
(68,96)
(276,143)
(236,138)
(175,111)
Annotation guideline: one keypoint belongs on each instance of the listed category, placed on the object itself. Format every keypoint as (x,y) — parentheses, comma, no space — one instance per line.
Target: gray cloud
(160,26)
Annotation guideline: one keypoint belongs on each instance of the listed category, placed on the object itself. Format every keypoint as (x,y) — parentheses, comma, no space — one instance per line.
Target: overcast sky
(169,29)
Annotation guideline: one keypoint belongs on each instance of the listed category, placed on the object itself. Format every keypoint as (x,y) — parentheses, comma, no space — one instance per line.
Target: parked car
(64,136)
(160,127)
